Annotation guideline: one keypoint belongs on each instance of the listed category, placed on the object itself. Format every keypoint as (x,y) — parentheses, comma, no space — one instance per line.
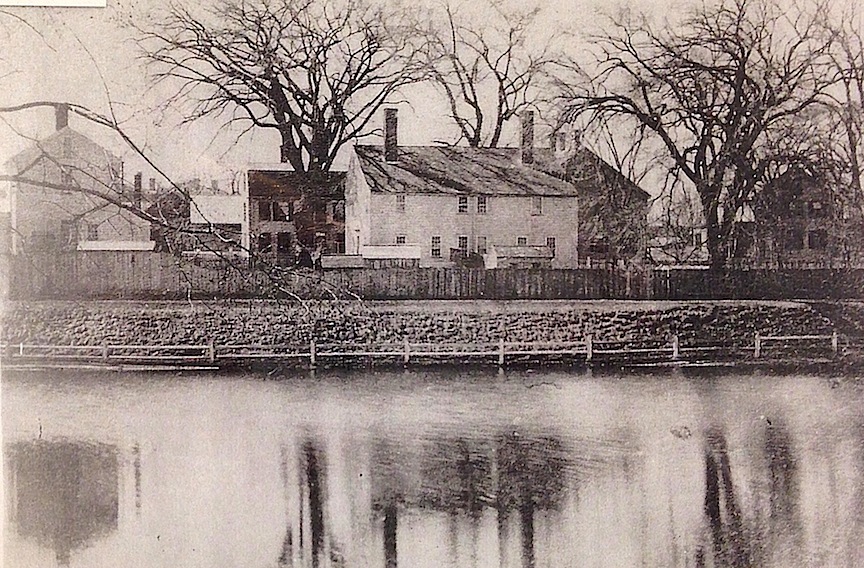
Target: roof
(457,170)
(490,171)
(52,145)
(327,185)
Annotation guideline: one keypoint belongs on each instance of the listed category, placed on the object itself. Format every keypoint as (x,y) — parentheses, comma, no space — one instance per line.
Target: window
(794,239)
(279,213)
(817,240)
(463,243)
(481,245)
(265,213)
(536,205)
(816,209)
(436,247)
(482,205)
(275,210)
(68,232)
(400,239)
(521,241)
(550,243)
(400,203)
(283,243)
(264,243)
(92,232)
(66,179)
(697,238)
(463,204)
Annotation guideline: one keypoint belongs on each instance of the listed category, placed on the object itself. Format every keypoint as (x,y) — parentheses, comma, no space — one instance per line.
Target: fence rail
(589,351)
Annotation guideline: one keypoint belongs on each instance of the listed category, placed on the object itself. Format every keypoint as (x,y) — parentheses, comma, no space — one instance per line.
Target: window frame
(463,239)
(521,241)
(462,204)
(400,202)
(484,247)
(552,244)
(484,201)
(401,239)
(436,246)
(536,205)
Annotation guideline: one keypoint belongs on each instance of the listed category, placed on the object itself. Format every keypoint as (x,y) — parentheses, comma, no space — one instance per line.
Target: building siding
(507,218)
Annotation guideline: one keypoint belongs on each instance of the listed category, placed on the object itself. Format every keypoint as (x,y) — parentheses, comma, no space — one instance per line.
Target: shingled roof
(457,170)
(485,171)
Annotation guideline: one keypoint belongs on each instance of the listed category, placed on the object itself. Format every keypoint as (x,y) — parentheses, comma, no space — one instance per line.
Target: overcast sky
(86,56)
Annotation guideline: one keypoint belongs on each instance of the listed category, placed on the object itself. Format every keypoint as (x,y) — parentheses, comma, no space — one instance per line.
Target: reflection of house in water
(64,495)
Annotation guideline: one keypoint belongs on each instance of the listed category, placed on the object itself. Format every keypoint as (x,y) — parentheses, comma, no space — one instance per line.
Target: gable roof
(52,145)
(457,170)
(489,171)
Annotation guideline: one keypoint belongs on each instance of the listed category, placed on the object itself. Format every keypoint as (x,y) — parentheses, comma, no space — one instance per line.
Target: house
(290,211)
(69,194)
(801,220)
(508,206)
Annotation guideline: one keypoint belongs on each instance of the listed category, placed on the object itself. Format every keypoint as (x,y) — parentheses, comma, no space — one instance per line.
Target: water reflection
(63,494)
(402,469)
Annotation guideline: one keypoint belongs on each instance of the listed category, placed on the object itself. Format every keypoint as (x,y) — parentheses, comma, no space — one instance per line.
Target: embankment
(272,323)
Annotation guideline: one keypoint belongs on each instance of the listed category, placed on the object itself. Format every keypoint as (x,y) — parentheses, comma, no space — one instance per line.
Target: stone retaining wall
(270,322)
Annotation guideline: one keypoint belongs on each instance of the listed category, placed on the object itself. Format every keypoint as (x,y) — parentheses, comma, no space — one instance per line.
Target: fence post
(835,343)
(406,357)
(211,351)
(589,348)
(757,346)
(675,347)
(312,353)
(104,351)
(501,352)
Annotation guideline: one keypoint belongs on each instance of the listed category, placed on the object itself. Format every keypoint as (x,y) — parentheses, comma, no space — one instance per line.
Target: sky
(87,56)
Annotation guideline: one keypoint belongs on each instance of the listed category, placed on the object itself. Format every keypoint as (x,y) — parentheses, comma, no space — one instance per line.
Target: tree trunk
(289,152)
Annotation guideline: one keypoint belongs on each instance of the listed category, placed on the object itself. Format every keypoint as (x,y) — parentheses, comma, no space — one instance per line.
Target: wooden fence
(128,274)
(591,351)
(124,274)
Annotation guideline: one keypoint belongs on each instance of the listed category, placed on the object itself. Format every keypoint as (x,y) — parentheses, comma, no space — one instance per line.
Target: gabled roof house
(55,203)
(444,205)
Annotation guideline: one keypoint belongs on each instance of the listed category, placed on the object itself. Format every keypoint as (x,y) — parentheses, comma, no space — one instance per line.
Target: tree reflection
(730,542)
(64,494)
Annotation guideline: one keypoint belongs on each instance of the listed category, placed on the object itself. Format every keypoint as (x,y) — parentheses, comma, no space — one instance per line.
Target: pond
(431,468)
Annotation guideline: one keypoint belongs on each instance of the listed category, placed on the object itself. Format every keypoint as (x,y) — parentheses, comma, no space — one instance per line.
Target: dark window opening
(265,244)
(550,243)
(521,241)
(817,240)
(283,243)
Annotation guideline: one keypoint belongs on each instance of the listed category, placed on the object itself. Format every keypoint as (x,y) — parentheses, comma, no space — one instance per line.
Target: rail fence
(590,351)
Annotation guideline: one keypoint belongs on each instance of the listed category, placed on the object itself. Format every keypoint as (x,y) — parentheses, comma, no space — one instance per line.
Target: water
(432,469)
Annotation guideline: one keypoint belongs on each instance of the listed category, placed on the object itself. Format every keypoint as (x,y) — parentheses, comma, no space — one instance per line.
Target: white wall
(507,219)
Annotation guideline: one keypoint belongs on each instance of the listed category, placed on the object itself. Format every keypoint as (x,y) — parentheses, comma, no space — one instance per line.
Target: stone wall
(272,323)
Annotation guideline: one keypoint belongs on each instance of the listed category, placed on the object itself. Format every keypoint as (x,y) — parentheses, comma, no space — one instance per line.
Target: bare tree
(314,71)
(719,92)
(488,72)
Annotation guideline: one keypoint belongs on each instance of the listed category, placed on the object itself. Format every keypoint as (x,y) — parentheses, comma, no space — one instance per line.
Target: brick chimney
(391,135)
(527,141)
(61,115)
(137,191)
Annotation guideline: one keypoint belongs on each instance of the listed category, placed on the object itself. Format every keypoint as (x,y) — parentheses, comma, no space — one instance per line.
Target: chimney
(527,142)
(137,191)
(61,115)
(391,131)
